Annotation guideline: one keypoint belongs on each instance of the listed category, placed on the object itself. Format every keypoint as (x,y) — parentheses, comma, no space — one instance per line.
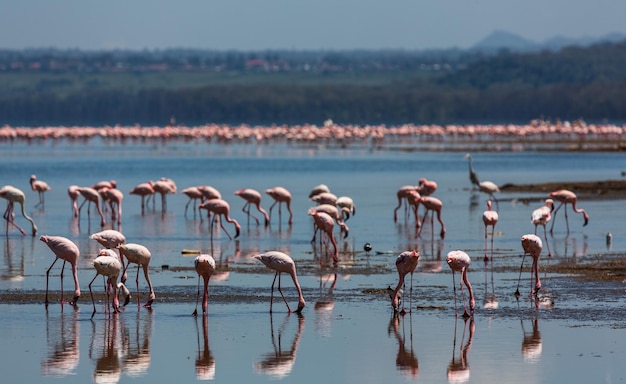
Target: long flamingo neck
(469,289)
(32,222)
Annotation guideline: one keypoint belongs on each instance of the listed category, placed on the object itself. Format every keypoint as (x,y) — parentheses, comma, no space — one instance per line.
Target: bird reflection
(490,301)
(459,369)
(205,362)
(136,347)
(105,350)
(13,270)
(325,304)
(279,363)
(62,335)
(531,343)
(406,359)
(430,262)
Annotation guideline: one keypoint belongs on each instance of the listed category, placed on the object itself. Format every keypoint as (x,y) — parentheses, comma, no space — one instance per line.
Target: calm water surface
(347,333)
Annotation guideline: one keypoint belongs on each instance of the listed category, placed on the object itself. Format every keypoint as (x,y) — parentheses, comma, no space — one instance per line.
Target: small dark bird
(367,247)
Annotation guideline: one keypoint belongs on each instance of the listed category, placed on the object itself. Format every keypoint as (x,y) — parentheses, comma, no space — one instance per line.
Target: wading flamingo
(427,187)
(205,266)
(334,212)
(325,198)
(140,255)
(459,261)
(319,189)
(91,196)
(14,195)
(164,186)
(220,207)
(490,219)
(565,197)
(541,216)
(193,193)
(114,197)
(281,262)
(280,195)
(72,192)
(345,202)
(532,245)
(65,250)
(144,190)
(326,224)
(432,204)
(489,188)
(252,196)
(403,194)
(109,238)
(406,262)
(209,192)
(40,187)
(108,264)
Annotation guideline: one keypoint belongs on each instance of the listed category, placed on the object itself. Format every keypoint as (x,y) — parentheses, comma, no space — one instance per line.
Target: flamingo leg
(195,312)
(283,296)
(47,278)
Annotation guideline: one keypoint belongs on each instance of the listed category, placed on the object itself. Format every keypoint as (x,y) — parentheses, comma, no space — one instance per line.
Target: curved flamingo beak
(237,233)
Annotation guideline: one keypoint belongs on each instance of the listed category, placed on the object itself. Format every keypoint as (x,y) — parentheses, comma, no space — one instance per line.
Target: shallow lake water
(347,332)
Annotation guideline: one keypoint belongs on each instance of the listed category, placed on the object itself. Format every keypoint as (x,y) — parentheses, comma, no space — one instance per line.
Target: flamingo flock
(536,132)
(328,212)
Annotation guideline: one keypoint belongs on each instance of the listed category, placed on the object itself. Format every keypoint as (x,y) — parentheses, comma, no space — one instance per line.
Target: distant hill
(503,40)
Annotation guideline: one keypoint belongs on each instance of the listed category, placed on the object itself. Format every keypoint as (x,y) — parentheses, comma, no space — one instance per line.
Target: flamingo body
(281,262)
(459,261)
(66,250)
(205,266)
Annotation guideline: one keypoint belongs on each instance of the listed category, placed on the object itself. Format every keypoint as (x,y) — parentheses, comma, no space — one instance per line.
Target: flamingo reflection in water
(136,346)
(281,361)
(406,359)
(62,335)
(531,343)
(325,304)
(459,369)
(105,350)
(205,362)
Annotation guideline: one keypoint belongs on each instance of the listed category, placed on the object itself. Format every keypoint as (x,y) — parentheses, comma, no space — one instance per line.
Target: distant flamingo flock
(578,134)
(328,213)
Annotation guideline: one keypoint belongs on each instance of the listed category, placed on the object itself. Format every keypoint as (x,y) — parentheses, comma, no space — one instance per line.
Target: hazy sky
(296,24)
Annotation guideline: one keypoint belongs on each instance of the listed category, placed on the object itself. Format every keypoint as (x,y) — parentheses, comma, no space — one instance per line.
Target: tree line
(574,83)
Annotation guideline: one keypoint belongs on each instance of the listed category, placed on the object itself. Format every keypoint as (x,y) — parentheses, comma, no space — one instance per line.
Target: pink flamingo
(281,262)
(325,198)
(109,238)
(532,245)
(565,197)
(406,262)
(490,219)
(403,195)
(489,188)
(205,266)
(144,190)
(66,250)
(193,193)
(40,187)
(164,187)
(220,207)
(114,196)
(108,264)
(140,255)
(432,204)
(280,195)
(319,189)
(345,202)
(252,196)
(209,192)
(459,261)
(325,223)
(14,195)
(111,184)
(90,196)
(427,187)
(337,214)
(541,216)
(72,192)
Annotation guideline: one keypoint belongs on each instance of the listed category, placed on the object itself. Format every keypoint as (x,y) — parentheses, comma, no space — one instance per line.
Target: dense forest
(51,87)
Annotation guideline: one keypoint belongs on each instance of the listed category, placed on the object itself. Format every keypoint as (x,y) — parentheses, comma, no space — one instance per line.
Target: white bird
(108,265)
(140,255)
(541,216)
